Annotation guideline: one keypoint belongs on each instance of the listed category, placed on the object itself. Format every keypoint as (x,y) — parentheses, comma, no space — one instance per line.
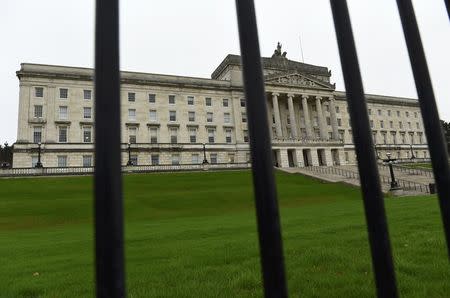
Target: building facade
(167,119)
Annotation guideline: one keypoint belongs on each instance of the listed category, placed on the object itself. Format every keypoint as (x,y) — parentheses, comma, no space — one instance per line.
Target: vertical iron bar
(110,277)
(430,115)
(267,214)
(368,170)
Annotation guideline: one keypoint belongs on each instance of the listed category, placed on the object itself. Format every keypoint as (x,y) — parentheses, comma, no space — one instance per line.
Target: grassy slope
(194,234)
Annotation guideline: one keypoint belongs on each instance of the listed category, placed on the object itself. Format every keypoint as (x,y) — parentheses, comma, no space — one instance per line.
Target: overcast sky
(192,37)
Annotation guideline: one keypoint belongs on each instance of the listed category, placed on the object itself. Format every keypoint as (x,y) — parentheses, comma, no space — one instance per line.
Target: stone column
(292,116)
(323,132)
(276,111)
(334,123)
(306,116)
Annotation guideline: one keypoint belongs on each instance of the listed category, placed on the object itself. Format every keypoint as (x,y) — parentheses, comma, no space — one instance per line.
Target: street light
(129,162)
(39,164)
(389,161)
(205,161)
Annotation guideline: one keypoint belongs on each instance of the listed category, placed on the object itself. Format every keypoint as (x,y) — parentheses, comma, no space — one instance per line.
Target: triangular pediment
(297,80)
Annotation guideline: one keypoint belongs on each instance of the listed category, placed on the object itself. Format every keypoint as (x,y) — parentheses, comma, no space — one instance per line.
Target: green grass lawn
(420,165)
(194,235)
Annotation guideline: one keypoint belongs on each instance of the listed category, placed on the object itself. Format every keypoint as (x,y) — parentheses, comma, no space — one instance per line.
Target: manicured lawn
(420,165)
(194,235)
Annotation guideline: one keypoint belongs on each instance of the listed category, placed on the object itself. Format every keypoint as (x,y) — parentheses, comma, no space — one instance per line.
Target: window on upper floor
(193,135)
(381,124)
(389,113)
(172,116)
(174,135)
(38,91)
(379,112)
(63,113)
(370,111)
(131,96)
(153,135)
(87,112)
(211,133)
(225,102)
(415,114)
(226,118)
(171,99)
(328,121)
(406,113)
(244,117)
(339,121)
(87,94)
(208,101)
(87,134)
(246,136)
(132,132)
(228,134)
(400,124)
(152,98)
(191,116)
(132,114)
(417,125)
(152,115)
(63,93)
(337,109)
(190,100)
(37,134)
(398,113)
(209,117)
(37,111)
(371,123)
(62,134)
(243,103)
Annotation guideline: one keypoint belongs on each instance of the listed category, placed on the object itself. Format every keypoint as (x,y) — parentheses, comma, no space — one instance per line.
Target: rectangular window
(63,93)
(191,116)
(171,99)
(211,135)
(228,135)
(417,125)
(389,113)
(226,118)
(87,94)
(391,124)
(87,160)
(337,109)
(175,159)
(152,115)
(339,121)
(409,125)
(192,135)
(407,114)
(155,159)
(379,112)
(400,124)
(37,134)
(231,157)
(209,117)
(152,98)
(63,113)
(371,123)
(243,104)
(327,108)
(87,113)
(153,135)
(174,135)
(208,101)
(328,121)
(87,134)
(244,117)
(134,159)
(132,114)
(190,100)
(172,116)
(132,131)
(131,96)
(62,161)
(213,158)
(39,92)
(195,158)
(38,111)
(381,123)
(398,113)
(34,161)
(415,114)
(225,102)
(246,136)
(62,135)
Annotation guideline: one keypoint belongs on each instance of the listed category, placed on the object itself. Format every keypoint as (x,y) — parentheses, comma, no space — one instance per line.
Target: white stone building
(166,119)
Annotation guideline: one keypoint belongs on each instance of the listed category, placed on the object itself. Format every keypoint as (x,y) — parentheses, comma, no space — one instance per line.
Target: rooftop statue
(277,52)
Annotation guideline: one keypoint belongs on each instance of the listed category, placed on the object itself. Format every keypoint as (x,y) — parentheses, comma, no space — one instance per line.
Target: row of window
(391,124)
(63,112)
(63,93)
(196,158)
(153,116)
(132,135)
(389,113)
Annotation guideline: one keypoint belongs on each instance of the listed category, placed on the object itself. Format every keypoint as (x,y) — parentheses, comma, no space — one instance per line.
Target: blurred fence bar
(269,229)
(428,107)
(109,251)
(368,170)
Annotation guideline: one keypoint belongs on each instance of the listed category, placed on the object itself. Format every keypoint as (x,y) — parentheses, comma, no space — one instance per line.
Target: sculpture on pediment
(278,53)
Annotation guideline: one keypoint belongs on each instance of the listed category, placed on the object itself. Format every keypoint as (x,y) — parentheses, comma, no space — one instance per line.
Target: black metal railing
(108,191)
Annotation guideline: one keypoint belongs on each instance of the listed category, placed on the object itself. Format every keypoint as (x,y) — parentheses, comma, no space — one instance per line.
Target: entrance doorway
(335,157)
(275,159)
(291,158)
(307,157)
(321,157)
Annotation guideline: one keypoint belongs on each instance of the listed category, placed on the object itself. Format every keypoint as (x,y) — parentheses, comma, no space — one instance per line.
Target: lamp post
(205,161)
(389,161)
(39,164)
(129,162)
